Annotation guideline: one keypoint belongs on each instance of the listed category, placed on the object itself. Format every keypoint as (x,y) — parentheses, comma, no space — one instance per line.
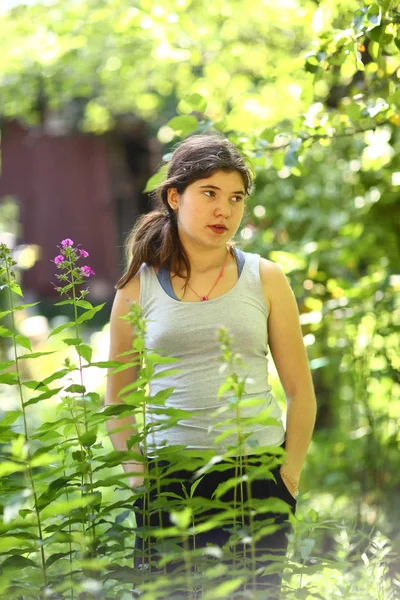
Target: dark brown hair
(154,238)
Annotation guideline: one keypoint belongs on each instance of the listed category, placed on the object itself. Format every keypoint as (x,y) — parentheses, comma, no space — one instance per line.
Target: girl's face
(210,210)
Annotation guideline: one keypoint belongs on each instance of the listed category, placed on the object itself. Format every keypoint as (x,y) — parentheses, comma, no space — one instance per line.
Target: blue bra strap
(165,282)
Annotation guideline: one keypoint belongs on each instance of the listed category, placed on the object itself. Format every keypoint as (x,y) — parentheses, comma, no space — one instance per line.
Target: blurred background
(94,93)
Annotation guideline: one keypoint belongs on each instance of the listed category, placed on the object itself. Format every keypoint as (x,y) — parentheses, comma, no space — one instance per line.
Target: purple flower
(83,253)
(87,271)
(58,259)
(67,242)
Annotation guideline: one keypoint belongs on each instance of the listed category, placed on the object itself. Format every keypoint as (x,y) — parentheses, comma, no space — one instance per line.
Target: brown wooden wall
(63,186)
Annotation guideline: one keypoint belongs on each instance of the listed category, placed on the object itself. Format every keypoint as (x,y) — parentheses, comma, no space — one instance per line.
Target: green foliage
(310,94)
(277,79)
(68,529)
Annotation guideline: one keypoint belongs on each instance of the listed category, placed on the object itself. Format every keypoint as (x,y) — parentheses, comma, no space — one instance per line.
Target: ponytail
(154,240)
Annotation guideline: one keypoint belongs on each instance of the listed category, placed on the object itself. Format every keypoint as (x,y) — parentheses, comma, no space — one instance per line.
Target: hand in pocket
(135,481)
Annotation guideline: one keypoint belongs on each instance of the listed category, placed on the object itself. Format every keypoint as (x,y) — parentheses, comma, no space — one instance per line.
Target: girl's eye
(211,194)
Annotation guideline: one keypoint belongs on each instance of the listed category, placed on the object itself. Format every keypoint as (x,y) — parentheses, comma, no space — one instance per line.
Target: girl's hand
(135,481)
(290,483)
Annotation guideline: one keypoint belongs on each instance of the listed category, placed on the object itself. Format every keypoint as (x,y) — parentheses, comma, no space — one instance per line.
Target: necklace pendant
(203,298)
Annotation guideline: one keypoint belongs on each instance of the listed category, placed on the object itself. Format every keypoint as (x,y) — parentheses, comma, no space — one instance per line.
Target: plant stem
(26,433)
(85,420)
(70,546)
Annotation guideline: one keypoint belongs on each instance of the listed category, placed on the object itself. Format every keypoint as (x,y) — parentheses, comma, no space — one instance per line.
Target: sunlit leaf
(85,351)
(183,124)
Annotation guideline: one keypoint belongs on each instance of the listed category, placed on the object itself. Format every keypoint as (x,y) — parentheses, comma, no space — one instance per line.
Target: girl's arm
(121,339)
(290,358)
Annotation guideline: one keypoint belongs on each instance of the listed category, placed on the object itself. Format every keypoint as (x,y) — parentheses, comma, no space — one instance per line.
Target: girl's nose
(223,209)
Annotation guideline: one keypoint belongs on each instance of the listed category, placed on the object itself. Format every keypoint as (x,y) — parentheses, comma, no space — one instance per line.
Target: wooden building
(85,187)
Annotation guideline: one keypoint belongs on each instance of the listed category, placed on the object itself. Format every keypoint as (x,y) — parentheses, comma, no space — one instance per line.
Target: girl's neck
(206,260)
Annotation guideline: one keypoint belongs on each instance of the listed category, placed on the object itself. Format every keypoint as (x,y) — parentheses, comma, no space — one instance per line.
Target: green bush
(68,526)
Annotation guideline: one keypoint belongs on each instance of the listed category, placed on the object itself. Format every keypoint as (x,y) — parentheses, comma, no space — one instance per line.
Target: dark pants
(270,548)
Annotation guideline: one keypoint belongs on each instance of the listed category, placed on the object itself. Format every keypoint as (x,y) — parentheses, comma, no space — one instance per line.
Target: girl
(189,278)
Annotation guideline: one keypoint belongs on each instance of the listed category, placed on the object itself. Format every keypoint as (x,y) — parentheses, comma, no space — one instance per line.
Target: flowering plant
(74,275)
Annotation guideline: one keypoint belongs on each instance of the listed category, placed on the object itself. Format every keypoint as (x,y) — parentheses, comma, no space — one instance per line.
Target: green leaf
(44,396)
(9,378)
(104,364)
(73,341)
(8,467)
(55,557)
(291,157)
(10,417)
(43,450)
(312,63)
(85,351)
(156,180)
(157,359)
(161,397)
(84,304)
(227,386)
(14,287)
(4,332)
(313,515)
(358,18)
(81,303)
(122,516)
(76,388)
(43,460)
(375,33)
(79,455)
(123,574)
(19,562)
(56,375)
(194,102)
(61,482)
(268,134)
(167,373)
(7,434)
(306,546)
(35,354)
(34,385)
(89,313)
(24,306)
(60,328)
(374,14)
(5,365)
(8,543)
(278,160)
(182,518)
(194,486)
(92,397)
(224,590)
(184,124)
(353,111)
(89,438)
(22,340)
(65,507)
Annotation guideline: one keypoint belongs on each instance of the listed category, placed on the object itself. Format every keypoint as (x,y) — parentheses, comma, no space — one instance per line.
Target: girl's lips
(217,229)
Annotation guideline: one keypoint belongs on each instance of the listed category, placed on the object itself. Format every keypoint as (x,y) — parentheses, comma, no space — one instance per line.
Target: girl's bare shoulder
(130,292)
(274,282)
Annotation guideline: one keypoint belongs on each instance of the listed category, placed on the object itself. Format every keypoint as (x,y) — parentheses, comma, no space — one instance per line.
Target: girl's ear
(173,198)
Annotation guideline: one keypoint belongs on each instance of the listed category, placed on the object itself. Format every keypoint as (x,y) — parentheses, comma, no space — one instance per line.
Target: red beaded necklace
(221,273)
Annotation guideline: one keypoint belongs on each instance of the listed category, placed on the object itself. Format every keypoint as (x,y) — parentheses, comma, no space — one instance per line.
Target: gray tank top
(187,331)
